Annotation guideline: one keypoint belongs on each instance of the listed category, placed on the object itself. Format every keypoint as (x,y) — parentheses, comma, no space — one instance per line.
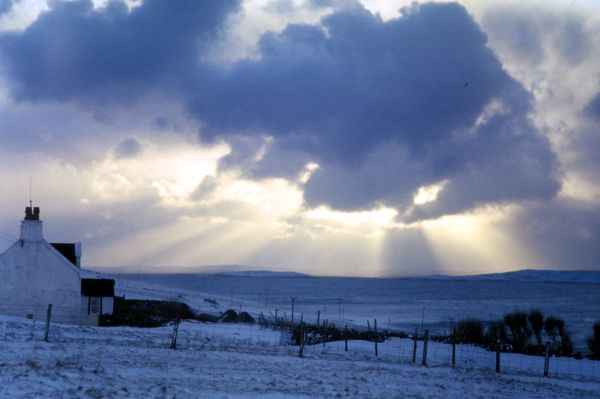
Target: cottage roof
(68,250)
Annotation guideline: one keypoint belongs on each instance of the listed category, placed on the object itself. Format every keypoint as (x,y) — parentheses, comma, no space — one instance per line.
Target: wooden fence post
(346,338)
(301,353)
(415,337)
(318,317)
(324,332)
(498,356)
(174,337)
(547,359)
(376,338)
(453,347)
(48,316)
(293,300)
(425,343)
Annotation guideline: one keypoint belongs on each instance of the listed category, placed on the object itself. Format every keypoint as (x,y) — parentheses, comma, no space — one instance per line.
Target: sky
(330,137)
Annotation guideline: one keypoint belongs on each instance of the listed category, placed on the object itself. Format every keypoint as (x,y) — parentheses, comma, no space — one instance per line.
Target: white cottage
(35,274)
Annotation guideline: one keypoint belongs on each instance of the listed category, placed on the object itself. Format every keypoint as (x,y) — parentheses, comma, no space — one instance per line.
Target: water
(401,304)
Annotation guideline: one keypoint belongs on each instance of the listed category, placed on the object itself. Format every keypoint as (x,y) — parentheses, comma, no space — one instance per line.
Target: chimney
(31,226)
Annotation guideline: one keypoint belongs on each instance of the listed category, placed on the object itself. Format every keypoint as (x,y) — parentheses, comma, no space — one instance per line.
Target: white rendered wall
(31,230)
(32,275)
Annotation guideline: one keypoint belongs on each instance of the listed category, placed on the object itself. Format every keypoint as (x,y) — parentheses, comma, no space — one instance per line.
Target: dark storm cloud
(360,81)
(383,107)
(504,146)
(77,52)
(586,141)
(593,108)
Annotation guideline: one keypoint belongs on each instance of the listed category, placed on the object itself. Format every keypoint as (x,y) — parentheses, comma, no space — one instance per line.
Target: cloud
(113,53)
(533,35)
(359,81)
(593,107)
(127,148)
(556,62)
(566,40)
(5,6)
(383,107)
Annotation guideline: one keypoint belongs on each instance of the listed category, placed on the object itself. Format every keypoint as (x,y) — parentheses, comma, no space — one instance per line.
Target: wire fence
(252,338)
(408,350)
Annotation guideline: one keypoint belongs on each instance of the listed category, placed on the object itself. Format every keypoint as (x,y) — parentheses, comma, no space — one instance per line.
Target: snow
(246,361)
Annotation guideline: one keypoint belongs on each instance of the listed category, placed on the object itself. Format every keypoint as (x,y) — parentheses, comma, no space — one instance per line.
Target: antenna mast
(30,201)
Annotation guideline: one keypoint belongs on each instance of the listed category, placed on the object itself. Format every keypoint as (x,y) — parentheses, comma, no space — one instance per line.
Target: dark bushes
(496,332)
(536,321)
(470,331)
(594,342)
(560,339)
(514,331)
(145,313)
(520,333)
(151,313)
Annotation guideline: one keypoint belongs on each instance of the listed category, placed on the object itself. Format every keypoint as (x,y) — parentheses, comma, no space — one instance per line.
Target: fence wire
(251,338)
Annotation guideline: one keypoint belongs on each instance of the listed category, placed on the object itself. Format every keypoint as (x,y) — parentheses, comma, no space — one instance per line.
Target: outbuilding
(35,273)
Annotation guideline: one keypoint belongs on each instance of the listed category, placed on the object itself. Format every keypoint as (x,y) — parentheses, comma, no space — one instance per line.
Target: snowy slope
(245,361)
(233,361)
(199,301)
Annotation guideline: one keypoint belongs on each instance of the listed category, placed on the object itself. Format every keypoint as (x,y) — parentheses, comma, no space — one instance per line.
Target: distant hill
(531,275)
(261,273)
(217,270)
(527,275)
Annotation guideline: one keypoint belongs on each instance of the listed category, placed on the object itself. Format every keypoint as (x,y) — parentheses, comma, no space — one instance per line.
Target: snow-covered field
(240,361)
(246,361)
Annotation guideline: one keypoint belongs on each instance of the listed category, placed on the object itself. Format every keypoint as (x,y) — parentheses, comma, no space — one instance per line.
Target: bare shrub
(470,331)
(594,341)
(519,330)
(560,338)
(496,332)
(536,321)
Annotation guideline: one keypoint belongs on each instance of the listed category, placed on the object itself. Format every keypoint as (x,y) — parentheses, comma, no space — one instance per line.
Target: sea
(398,304)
